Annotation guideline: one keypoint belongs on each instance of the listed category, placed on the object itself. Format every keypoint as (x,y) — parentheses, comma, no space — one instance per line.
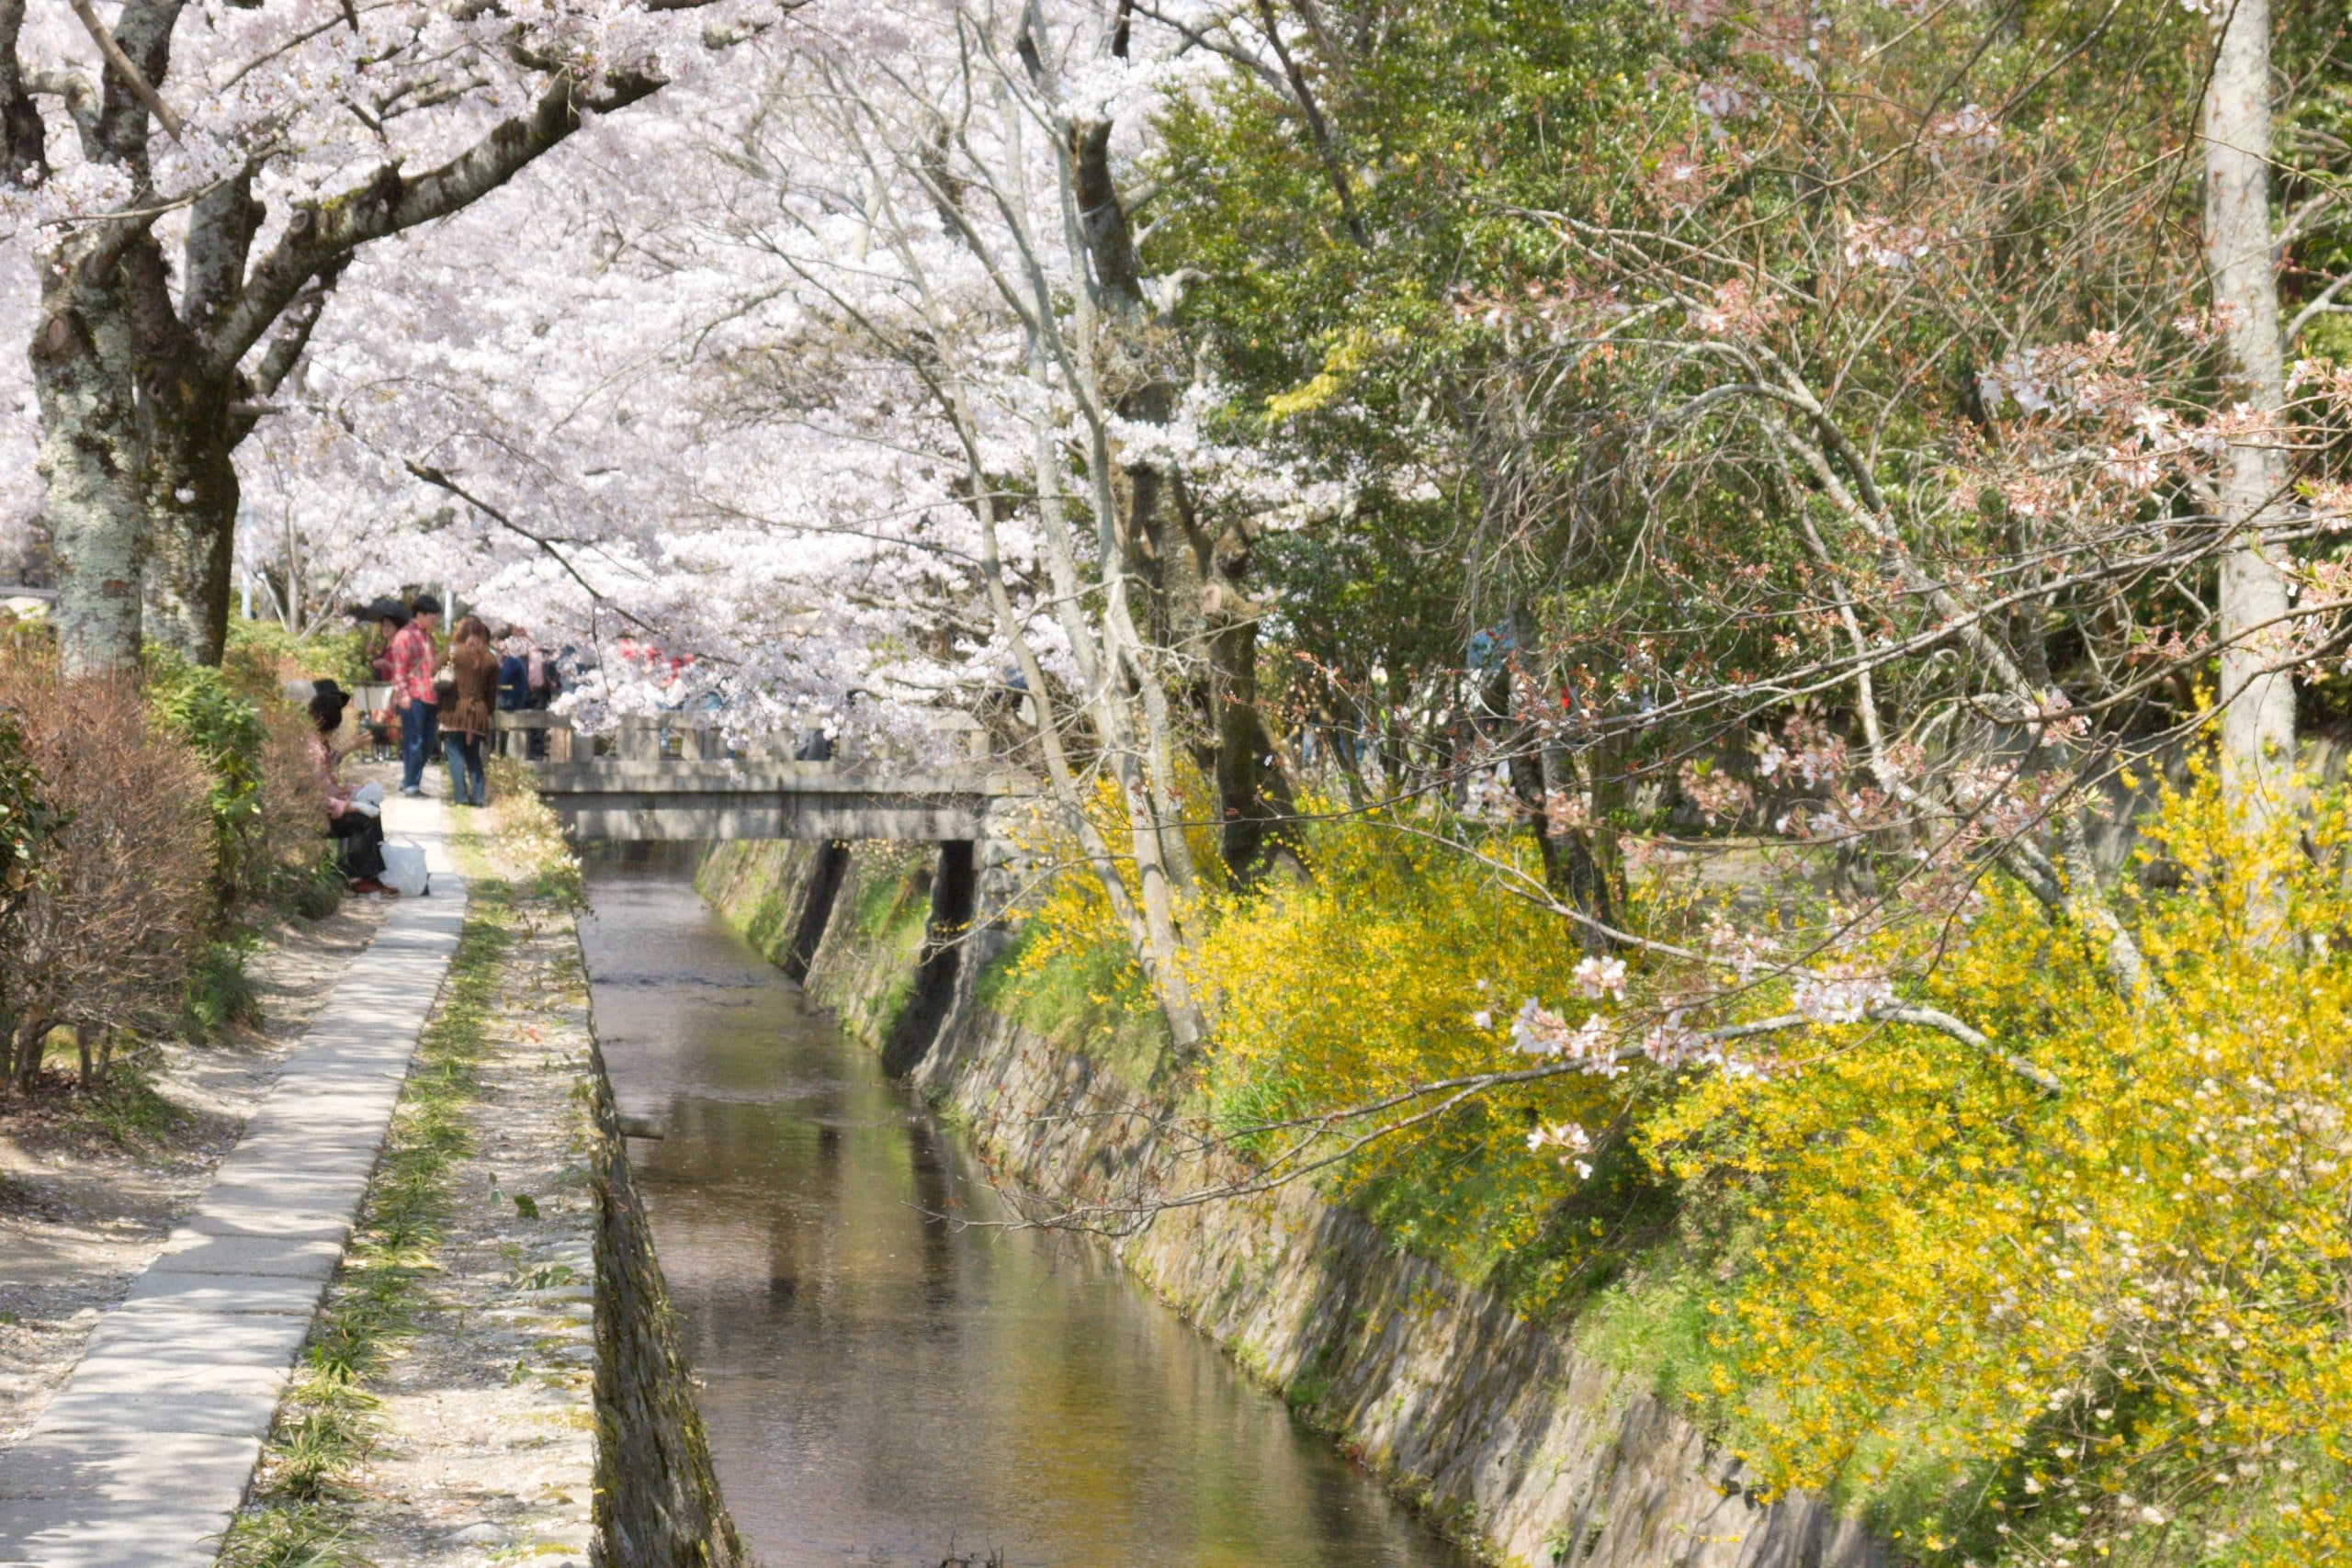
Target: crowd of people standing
(445,700)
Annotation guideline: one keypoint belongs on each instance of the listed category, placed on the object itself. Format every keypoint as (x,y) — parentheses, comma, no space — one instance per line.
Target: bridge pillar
(817,908)
(954,899)
(638,740)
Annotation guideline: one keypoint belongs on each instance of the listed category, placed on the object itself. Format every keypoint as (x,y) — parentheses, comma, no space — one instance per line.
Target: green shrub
(267,819)
(317,892)
(1089,1000)
(125,1109)
(197,704)
(265,652)
(220,995)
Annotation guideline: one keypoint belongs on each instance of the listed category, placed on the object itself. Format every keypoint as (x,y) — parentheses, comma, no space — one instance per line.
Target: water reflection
(881,1387)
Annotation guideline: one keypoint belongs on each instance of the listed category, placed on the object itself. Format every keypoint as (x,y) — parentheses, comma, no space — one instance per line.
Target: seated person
(384,734)
(358,833)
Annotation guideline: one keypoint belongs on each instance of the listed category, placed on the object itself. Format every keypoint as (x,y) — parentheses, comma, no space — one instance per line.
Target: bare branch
(132,78)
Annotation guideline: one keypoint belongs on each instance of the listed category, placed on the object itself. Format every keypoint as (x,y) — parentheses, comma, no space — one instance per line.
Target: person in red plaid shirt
(411,657)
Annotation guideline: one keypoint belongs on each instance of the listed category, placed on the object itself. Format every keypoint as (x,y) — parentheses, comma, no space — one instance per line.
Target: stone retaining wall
(657,1497)
(1499,1428)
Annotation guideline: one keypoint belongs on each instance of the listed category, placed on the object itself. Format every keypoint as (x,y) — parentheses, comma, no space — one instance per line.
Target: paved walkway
(143,1456)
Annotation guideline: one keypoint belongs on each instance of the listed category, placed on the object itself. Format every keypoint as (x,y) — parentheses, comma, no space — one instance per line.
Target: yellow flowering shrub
(2108,1325)
(1399,962)
(2111,1325)
(1071,975)
(1069,915)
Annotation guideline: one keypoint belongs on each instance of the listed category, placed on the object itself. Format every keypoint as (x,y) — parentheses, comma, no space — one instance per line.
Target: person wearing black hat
(358,833)
(411,656)
(389,615)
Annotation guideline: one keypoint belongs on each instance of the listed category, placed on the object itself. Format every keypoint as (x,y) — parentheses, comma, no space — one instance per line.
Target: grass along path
(443,1410)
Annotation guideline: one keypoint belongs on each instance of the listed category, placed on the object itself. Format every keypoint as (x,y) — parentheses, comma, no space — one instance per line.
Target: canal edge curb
(658,1499)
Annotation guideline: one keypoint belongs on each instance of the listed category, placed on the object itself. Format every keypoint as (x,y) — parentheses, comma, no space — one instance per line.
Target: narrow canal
(882,1386)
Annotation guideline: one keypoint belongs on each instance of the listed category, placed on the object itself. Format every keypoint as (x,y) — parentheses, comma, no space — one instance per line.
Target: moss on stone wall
(1075,1001)
(756,885)
(657,1497)
(865,969)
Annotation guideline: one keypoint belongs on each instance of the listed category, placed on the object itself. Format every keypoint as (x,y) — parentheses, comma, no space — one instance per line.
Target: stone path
(143,1456)
(86,1206)
(482,1441)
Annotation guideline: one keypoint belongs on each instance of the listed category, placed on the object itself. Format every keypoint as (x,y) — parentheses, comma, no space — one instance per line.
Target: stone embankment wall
(658,1503)
(1499,1428)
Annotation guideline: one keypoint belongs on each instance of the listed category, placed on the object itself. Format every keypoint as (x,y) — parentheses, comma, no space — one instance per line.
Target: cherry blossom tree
(843,407)
(962,193)
(190,183)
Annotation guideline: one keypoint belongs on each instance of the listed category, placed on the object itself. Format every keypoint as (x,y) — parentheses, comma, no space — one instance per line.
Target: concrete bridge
(669,778)
(636,801)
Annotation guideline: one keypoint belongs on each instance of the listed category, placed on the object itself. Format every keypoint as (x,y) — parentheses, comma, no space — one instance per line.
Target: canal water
(883,1386)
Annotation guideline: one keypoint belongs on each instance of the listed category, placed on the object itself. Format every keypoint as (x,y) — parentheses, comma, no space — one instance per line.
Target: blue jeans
(467,786)
(419,724)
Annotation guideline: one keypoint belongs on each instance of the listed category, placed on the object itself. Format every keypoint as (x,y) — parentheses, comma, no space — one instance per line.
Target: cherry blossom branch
(441,480)
(319,232)
(129,73)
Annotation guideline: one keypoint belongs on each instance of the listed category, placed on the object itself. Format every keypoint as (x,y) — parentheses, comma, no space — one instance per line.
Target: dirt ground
(88,1191)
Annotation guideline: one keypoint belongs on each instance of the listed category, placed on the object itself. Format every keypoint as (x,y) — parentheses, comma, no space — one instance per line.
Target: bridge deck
(627,800)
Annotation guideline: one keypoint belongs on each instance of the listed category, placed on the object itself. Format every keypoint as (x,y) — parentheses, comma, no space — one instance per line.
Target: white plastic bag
(405,870)
(369,794)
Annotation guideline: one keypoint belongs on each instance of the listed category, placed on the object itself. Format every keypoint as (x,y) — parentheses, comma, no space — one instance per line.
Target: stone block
(75,1533)
(286,1203)
(171,1410)
(342,1152)
(159,1332)
(237,1295)
(340,1097)
(124,1379)
(150,1468)
(226,1250)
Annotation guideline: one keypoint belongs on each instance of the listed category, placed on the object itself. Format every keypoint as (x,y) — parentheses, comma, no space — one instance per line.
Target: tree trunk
(2257,704)
(1145,914)
(1261,828)
(82,360)
(25,1045)
(110,324)
(190,482)
(1195,604)
(1583,872)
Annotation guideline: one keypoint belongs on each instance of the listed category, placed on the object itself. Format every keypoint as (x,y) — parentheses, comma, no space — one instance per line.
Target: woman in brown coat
(464,717)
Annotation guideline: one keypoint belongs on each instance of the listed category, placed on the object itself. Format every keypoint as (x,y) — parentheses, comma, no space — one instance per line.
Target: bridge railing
(694,735)
(686,737)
